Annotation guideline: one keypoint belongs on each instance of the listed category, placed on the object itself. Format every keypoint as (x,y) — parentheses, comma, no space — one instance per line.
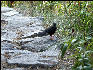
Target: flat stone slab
(21,25)
(16,51)
(7,46)
(10,13)
(6,9)
(46,58)
(38,43)
(16,69)
(3,59)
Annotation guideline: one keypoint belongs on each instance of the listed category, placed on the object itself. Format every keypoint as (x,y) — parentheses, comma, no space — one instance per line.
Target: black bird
(49,31)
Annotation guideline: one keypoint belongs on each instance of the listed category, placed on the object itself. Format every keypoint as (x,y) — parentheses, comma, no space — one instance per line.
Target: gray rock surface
(16,69)
(8,46)
(46,58)
(10,13)
(6,9)
(38,51)
(3,59)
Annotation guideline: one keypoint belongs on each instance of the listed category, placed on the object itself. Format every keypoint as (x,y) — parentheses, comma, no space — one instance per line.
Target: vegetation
(75,25)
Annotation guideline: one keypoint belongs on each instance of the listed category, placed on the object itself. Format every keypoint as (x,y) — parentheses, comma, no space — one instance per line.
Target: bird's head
(54,24)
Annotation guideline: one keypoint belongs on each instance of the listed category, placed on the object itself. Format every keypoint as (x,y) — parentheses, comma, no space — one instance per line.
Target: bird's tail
(40,34)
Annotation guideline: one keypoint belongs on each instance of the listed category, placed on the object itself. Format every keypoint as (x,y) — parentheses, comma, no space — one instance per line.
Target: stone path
(38,51)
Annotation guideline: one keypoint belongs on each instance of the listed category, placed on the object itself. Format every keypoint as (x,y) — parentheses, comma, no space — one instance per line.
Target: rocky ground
(39,53)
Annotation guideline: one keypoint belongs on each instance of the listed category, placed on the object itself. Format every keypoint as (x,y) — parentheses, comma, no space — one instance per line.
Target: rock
(3,62)
(45,58)
(10,13)
(39,43)
(16,26)
(6,9)
(14,52)
(16,69)
(3,59)
(7,46)
(3,24)
(38,51)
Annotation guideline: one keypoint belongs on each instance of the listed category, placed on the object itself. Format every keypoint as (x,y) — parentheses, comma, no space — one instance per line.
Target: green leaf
(88,38)
(87,68)
(73,41)
(80,67)
(64,50)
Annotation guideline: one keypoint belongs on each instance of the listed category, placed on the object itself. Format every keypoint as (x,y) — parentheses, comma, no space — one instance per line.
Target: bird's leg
(51,37)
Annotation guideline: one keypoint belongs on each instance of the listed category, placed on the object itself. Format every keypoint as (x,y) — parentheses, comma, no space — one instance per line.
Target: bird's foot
(51,37)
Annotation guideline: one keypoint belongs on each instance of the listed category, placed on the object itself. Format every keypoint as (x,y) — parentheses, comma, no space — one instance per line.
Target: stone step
(6,9)
(45,58)
(10,13)
(45,53)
